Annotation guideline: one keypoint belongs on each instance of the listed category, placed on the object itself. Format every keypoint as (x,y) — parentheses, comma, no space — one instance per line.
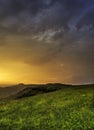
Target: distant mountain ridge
(25,90)
(13,90)
(39,89)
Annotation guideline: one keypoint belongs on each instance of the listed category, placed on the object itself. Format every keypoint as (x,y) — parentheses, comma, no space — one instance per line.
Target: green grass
(68,109)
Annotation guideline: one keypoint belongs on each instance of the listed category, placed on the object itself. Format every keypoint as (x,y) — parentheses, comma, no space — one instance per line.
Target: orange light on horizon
(19,72)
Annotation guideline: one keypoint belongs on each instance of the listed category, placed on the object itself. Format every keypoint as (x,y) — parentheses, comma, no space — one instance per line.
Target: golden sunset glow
(13,72)
(4,77)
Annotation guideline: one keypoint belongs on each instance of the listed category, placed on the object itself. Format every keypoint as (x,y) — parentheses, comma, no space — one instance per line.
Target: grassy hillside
(71,108)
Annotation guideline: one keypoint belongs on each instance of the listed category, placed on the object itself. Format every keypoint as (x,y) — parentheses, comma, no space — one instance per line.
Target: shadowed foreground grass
(67,109)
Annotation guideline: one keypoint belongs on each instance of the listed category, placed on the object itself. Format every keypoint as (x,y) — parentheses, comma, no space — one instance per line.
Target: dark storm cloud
(18,16)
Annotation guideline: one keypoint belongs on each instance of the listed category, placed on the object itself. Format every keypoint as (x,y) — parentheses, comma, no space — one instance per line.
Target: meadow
(67,109)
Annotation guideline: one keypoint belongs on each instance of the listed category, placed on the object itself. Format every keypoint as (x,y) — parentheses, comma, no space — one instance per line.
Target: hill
(70,108)
(32,90)
(38,89)
(10,90)
(13,89)
(26,90)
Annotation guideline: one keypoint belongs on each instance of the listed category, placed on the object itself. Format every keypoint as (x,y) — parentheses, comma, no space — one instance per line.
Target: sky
(44,41)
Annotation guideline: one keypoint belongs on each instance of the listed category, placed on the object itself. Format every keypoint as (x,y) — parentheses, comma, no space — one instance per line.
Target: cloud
(32,16)
(45,33)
